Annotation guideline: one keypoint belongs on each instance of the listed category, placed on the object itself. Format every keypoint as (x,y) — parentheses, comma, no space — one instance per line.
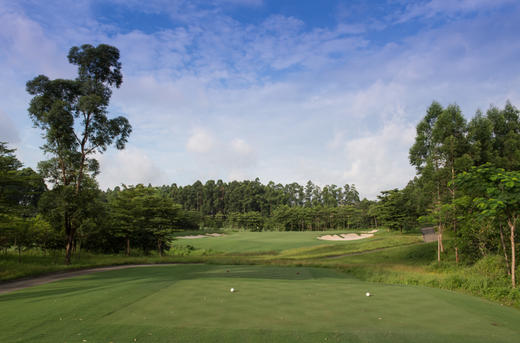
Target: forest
(467,184)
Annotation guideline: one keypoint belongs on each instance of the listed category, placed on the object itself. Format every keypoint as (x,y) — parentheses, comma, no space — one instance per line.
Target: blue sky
(328,91)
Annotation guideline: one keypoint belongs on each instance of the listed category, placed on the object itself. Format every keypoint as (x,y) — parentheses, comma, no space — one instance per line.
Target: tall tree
(73,115)
(439,153)
(424,155)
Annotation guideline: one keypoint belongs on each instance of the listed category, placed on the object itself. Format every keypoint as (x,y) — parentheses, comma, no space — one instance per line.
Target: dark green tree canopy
(73,113)
(98,64)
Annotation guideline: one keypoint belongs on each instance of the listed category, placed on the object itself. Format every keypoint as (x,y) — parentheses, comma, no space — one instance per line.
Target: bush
(493,267)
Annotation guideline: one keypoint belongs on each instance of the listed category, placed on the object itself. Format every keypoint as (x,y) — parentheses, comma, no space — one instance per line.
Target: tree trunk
(454,217)
(441,231)
(127,246)
(513,255)
(504,249)
(68,248)
(69,232)
(438,248)
(159,247)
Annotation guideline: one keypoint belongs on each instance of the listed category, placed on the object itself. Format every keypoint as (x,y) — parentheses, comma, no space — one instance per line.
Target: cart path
(11,286)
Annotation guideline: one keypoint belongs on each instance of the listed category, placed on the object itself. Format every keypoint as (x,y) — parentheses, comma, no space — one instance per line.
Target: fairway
(193,303)
(246,241)
(272,241)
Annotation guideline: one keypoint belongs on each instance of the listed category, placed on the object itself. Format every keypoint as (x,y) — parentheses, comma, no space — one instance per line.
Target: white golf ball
(232,290)
(367,294)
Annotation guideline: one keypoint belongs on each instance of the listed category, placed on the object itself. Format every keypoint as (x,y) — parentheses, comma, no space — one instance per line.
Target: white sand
(347,236)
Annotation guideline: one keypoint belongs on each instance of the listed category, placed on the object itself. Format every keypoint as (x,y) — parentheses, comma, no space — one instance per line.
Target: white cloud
(377,161)
(130,166)
(280,99)
(432,8)
(241,147)
(201,141)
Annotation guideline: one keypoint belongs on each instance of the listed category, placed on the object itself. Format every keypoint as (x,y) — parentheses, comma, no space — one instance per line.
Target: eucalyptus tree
(308,193)
(440,152)
(73,115)
(480,139)
(425,156)
(506,136)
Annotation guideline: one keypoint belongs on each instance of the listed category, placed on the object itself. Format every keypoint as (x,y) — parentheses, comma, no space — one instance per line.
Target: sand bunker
(347,236)
(202,236)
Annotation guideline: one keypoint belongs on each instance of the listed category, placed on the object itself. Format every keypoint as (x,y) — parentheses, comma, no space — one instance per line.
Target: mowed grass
(294,244)
(192,303)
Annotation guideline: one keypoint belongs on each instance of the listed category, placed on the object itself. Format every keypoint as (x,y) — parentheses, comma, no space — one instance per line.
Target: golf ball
(368,294)
(232,290)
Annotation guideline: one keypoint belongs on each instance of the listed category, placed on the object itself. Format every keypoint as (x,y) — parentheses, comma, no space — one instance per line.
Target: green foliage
(73,117)
(20,191)
(144,216)
(396,210)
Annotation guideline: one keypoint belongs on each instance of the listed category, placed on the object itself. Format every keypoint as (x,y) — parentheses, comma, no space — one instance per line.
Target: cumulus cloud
(213,97)
(130,166)
(377,161)
(201,141)
(240,147)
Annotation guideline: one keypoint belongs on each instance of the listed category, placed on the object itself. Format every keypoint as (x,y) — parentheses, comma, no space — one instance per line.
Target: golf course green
(193,303)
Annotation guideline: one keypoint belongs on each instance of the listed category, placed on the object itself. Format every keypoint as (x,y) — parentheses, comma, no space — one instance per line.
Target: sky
(284,90)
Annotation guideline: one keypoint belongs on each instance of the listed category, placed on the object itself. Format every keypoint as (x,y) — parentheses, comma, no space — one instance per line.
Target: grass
(192,303)
(297,244)
(33,263)
(389,257)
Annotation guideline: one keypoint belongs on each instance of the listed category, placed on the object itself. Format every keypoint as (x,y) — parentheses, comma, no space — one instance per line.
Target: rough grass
(272,304)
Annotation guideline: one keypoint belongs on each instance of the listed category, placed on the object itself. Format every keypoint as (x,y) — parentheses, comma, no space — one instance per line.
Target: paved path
(11,286)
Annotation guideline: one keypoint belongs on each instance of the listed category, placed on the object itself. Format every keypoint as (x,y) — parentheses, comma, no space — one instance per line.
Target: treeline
(31,215)
(144,218)
(254,206)
(467,183)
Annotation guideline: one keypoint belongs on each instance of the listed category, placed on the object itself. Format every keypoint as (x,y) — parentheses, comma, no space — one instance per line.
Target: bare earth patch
(347,236)
(202,236)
